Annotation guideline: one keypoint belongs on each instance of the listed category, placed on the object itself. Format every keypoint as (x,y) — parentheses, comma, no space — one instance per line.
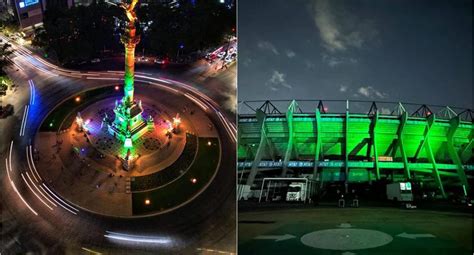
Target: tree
(8,24)
(79,33)
(5,53)
(193,26)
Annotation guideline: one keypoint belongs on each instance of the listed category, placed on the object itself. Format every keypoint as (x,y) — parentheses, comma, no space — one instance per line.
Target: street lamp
(181,46)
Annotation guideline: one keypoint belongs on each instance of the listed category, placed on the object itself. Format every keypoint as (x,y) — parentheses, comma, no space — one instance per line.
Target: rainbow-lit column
(130,39)
(129,124)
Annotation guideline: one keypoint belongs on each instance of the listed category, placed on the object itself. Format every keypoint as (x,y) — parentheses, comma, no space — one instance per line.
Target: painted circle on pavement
(346,239)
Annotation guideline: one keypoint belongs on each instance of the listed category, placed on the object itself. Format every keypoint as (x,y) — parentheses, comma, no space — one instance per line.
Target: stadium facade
(354,142)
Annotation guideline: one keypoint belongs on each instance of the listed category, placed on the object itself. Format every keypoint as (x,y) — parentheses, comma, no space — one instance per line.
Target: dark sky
(410,51)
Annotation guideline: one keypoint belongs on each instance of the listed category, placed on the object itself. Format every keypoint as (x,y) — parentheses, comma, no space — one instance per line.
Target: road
(36,219)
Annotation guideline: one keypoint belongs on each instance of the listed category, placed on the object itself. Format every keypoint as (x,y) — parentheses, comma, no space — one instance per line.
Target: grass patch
(170,173)
(183,189)
(66,111)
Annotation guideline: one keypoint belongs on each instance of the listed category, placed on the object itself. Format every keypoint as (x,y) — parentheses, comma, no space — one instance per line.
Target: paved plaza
(346,231)
(84,166)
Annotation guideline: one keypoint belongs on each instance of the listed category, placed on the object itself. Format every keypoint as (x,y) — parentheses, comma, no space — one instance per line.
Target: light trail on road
(8,164)
(29,158)
(34,193)
(61,202)
(32,92)
(137,238)
(24,120)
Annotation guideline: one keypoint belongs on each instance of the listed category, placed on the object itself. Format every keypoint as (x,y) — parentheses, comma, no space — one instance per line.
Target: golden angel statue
(129,10)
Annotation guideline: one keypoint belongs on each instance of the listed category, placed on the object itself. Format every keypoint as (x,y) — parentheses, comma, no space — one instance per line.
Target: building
(430,145)
(29,13)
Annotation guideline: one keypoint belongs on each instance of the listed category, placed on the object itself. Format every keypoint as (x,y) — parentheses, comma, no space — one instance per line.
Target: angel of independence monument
(129,124)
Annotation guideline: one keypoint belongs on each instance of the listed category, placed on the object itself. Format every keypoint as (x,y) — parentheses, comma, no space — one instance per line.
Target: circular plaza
(171,163)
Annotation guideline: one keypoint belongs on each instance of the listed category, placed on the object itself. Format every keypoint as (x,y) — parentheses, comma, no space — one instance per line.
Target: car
(161,61)
(95,60)
(221,54)
(229,59)
(142,59)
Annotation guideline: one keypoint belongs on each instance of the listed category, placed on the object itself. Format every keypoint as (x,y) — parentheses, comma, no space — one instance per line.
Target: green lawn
(67,110)
(181,190)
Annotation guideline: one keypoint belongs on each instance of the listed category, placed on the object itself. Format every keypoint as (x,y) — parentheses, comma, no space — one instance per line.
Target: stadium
(340,146)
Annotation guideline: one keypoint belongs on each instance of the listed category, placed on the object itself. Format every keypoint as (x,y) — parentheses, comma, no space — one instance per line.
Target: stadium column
(426,134)
(454,122)
(317,153)
(346,150)
(466,153)
(261,116)
(373,137)
(401,145)
(289,148)
(429,152)
(270,146)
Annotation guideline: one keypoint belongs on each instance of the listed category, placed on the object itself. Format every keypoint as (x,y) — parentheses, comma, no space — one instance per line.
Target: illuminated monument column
(129,124)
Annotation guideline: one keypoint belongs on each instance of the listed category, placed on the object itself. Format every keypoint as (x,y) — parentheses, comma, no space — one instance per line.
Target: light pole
(181,46)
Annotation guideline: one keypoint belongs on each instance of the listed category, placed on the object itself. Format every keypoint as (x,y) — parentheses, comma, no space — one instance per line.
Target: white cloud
(339,29)
(364,91)
(290,53)
(343,88)
(278,80)
(265,45)
(334,61)
(370,92)
(328,29)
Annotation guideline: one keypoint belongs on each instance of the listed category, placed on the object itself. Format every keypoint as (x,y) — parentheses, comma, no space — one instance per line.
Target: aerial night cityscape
(119,151)
(277,127)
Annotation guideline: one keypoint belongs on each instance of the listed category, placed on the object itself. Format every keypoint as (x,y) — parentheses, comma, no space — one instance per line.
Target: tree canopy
(5,54)
(81,33)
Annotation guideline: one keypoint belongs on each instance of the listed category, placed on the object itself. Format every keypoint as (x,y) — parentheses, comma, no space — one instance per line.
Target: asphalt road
(354,231)
(207,223)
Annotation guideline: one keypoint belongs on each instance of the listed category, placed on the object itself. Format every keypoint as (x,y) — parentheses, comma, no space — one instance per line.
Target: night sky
(409,51)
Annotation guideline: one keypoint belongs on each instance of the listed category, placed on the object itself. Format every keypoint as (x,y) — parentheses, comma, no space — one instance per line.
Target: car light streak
(214,251)
(195,100)
(33,163)
(29,186)
(137,238)
(228,127)
(61,203)
(22,199)
(9,169)
(103,78)
(165,87)
(40,191)
(29,164)
(24,120)
(32,92)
